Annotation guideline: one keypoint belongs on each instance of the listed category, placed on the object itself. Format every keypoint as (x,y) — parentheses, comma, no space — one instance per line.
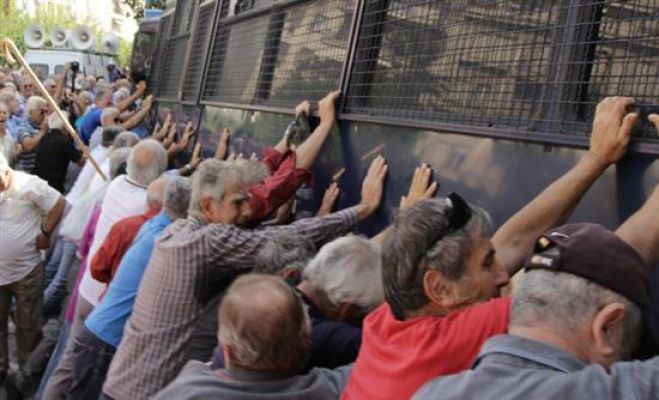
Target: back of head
(155,193)
(109,113)
(103,94)
(55,122)
(125,138)
(284,251)
(34,103)
(119,95)
(147,162)
(177,197)
(109,134)
(264,324)
(118,161)
(564,304)
(348,270)
(211,179)
(421,238)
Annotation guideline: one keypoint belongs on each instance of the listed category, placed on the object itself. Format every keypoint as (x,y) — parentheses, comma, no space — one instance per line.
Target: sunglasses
(44,112)
(117,120)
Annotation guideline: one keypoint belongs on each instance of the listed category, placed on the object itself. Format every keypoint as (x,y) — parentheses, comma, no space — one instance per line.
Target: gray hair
(55,122)
(34,102)
(348,270)
(147,161)
(211,179)
(108,112)
(89,95)
(563,303)
(7,98)
(103,92)
(177,197)
(265,324)
(125,139)
(118,160)
(285,250)
(156,192)
(255,170)
(420,239)
(119,95)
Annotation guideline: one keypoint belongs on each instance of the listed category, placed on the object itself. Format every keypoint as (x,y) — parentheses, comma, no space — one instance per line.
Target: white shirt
(7,144)
(81,185)
(74,223)
(122,199)
(96,138)
(21,210)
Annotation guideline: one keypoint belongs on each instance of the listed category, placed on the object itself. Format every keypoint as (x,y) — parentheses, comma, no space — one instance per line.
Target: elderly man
(54,153)
(441,271)
(24,199)
(32,131)
(579,310)
(126,196)
(26,91)
(265,331)
(99,338)
(109,117)
(92,119)
(211,251)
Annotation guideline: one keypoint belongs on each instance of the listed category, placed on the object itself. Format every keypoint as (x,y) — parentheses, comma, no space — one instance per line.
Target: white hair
(147,161)
(108,112)
(55,122)
(563,302)
(125,139)
(348,270)
(177,197)
(118,158)
(120,95)
(34,102)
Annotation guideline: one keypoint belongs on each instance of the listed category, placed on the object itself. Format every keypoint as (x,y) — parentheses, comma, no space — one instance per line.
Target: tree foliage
(13,23)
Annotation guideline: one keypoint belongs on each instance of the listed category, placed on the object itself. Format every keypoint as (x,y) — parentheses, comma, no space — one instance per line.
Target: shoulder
(195,381)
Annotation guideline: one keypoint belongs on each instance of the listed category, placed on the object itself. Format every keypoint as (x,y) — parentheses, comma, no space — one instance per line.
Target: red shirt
(397,357)
(277,188)
(108,257)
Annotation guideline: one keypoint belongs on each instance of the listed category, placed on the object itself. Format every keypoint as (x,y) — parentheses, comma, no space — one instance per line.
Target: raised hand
(372,188)
(654,118)
(187,135)
(196,156)
(612,129)
(327,107)
(140,87)
(303,108)
(421,186)
(223,145)
(329,199)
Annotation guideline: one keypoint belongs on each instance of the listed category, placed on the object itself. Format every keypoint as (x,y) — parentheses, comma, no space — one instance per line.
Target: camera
(75,67)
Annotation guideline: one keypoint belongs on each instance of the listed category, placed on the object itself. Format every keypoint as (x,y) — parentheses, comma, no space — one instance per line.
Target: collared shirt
(108,319)
(13,123)
(106,260)
(90,121)
(198,382)
(26,159)
(7,146)
(512,367)
(122,199)
(191,262)
(21,210)
(397,357)
(81,185)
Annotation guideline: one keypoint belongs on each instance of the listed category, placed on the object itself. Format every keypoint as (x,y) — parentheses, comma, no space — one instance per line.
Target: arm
(608,143)
(52,219)
(61,83)
(104,258)
(308,151)
(641,230)
(136,118)
(139,91)
(30,143)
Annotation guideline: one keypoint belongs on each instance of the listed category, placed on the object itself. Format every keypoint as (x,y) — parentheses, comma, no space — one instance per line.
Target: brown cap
(598,255)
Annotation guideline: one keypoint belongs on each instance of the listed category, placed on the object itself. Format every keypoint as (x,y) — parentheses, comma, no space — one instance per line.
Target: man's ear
(438,289)
(607,329)
(205,203)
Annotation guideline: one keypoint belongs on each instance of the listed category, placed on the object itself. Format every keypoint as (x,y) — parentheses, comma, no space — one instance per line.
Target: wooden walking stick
(11,53)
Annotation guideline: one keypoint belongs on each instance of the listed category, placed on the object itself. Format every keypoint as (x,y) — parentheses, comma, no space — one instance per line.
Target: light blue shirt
(108,319)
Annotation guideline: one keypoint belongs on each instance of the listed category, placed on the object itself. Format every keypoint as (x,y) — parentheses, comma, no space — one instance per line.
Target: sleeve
(626,380)
(23,133)
(236,248)
(42,194)
(337,378)
(101,263)
(272,159)
(276,189)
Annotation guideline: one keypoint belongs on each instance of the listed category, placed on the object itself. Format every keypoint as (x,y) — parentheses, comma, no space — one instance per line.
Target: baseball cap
(598,255)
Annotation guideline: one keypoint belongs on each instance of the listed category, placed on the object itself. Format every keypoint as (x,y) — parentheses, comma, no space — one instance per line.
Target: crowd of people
(200,281)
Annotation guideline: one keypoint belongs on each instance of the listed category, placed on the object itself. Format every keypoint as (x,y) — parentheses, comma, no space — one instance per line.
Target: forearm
(550,208)
(54,215)
(124,104)
(641,230)
(308,151)
(135,119)
(30,144)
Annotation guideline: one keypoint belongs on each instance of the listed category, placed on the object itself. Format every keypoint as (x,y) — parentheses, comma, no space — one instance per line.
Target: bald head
(155,193)
(264,325)
(147,161)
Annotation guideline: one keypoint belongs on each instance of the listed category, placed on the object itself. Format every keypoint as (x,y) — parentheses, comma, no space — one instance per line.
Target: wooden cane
(8,47)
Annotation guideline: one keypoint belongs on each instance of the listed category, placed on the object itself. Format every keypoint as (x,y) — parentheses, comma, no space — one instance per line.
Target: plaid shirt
(191,262)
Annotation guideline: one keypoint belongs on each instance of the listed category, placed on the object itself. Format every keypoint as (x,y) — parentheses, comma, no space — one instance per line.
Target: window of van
(41,70)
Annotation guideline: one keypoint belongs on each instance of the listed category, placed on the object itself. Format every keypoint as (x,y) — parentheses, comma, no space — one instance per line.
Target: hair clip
(460,212)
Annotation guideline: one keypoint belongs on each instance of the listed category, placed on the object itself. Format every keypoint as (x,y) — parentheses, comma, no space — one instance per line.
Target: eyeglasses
(44,112)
